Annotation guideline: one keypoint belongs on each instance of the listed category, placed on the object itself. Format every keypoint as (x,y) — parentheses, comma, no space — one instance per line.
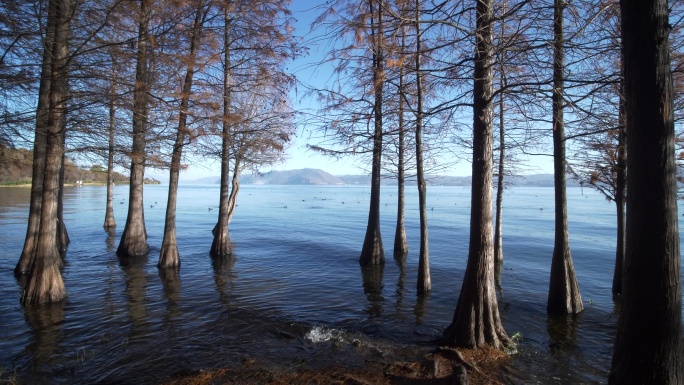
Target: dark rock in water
(460,376)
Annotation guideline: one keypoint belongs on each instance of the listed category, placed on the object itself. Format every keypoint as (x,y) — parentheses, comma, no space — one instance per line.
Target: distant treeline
(16,167)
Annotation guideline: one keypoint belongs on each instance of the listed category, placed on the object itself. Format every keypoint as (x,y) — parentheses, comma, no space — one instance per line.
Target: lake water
(293,294)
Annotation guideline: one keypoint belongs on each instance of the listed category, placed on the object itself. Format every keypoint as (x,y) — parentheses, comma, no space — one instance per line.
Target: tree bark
(110,221)
(564,296)
(648,344)
(400,242)
(168,256)
(476,321)
(424,284)
(133,241)
(221,245)
(39,148)
(372,252)
(62,233)
(45,284)
(620,185)
(498,221)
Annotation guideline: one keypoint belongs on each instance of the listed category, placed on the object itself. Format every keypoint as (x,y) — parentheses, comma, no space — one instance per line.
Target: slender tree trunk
(620,185)
(400,242)
(45,284)
(564,295)
(39,144)
(134,237)
(221,245)
(498,221)
(372,252)
(110,222)
(476,320)
(424,283)
(62,233)
(648,344)
(168,256)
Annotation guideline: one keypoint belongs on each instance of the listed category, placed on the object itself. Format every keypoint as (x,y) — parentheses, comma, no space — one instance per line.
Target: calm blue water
(294,293)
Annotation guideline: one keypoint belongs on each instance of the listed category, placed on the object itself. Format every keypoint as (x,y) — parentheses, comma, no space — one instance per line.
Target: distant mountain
(314,176)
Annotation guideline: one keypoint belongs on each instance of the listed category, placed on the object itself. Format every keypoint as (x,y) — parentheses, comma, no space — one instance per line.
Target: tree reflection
(372,287)
(136,287)
(562,331)
(46,327)
(224,276)
(111,239)
(170,278)
(421,307)
(401,280)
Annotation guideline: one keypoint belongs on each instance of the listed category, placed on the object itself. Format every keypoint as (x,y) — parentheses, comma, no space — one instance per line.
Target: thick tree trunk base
(221,246)
(168,256)
(110,222)
(372,253)
(45,284)
(132,246)
(564,294)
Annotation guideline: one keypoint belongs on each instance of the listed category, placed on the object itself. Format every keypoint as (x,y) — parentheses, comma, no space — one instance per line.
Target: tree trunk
(168,256)
(620,184)
(648,343)
(476,320)
(62,233)
(564,296)
(498,221)
(372,252)
(221,245)
(39,144)
(424,283)
(110,222)
(133,241)
(400,242)
(45,284)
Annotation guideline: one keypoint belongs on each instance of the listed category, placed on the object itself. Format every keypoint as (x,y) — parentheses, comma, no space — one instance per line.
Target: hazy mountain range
(314,176)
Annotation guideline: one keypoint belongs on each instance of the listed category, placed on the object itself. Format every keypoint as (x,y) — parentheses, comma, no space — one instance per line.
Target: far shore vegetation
(15,171)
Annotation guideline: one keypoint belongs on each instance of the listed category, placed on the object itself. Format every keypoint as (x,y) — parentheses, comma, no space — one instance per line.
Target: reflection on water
(125,321)
(224,276)
(420,309)
(111,239)
(372,287)
(136,288)
(46,324)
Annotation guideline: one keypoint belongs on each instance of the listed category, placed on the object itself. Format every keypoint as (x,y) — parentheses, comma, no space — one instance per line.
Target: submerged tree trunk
(564,296)
(134,237)
(372,252)
(39,144)
(168,256)
(45,284)
(424,283)
(110,222)
(221,245)
(476,321)
(648,343)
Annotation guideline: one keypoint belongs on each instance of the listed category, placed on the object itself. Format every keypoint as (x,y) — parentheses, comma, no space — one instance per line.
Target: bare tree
(45,284)
(134,237)
(476,320)
(168,256)
(564,295)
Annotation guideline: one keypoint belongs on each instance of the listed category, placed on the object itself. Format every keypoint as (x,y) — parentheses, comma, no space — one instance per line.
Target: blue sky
(297,154)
